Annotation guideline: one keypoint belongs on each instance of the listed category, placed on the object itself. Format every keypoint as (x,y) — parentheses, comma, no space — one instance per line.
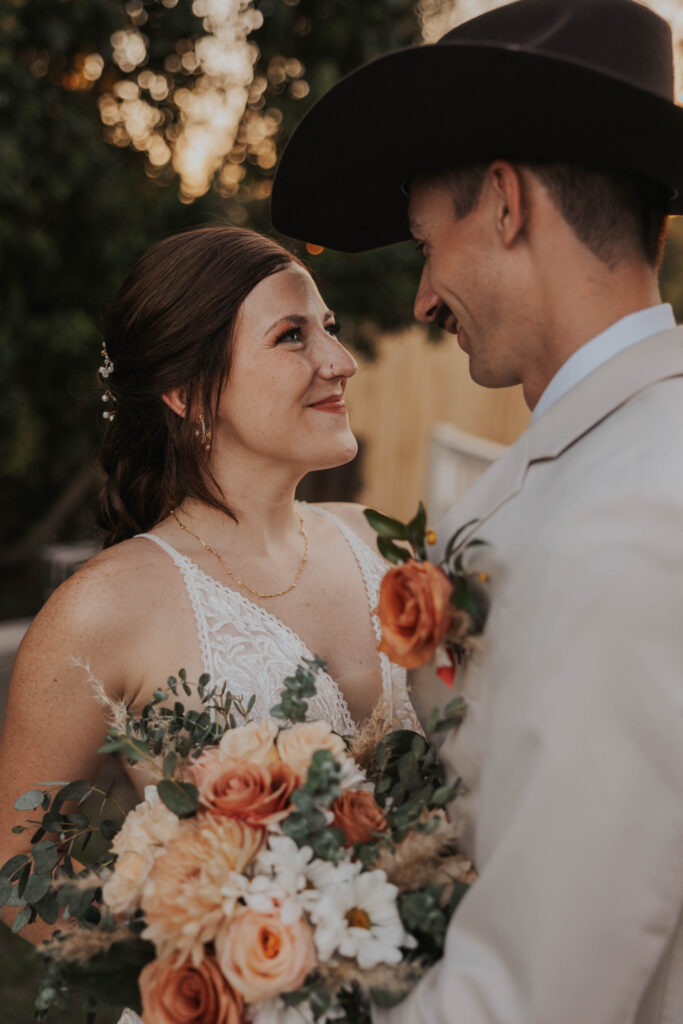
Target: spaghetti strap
(180,560)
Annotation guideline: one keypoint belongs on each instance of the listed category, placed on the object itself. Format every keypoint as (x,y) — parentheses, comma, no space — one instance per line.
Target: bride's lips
(333,403)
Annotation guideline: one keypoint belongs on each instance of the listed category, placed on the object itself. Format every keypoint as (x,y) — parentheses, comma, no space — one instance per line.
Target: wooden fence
(395,401)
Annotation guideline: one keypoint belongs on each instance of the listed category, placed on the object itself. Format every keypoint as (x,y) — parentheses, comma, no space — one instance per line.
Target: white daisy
(261,893)
(298,875)
(359,919)
(275,1011)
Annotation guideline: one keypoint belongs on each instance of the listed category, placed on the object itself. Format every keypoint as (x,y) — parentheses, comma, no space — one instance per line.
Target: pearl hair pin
(105,371)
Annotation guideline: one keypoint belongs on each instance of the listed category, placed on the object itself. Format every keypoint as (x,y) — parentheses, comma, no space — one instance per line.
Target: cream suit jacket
(572,747)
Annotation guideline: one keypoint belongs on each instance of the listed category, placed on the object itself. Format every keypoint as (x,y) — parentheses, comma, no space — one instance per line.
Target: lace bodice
(252,650)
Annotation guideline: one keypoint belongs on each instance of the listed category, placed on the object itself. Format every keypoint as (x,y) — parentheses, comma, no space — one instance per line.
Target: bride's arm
(53,724)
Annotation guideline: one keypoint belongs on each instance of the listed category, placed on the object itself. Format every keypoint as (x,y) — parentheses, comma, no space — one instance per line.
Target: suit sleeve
(580,825)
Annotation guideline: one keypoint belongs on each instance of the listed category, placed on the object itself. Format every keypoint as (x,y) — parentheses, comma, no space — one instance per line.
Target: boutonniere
(425,610)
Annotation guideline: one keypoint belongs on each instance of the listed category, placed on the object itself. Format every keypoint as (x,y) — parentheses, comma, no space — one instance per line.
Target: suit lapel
(575,414)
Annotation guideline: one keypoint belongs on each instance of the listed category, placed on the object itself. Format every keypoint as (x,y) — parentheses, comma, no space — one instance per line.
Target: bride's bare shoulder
(130,569)
(109,599)
(353,515)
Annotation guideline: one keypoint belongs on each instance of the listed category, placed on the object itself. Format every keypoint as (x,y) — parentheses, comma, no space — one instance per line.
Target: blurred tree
(122,121)
(87,103)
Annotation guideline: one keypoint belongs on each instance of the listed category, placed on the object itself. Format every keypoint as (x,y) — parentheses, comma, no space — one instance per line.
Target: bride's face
(284,396)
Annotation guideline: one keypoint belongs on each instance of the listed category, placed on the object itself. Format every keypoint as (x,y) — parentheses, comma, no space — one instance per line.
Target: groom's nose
(426,301)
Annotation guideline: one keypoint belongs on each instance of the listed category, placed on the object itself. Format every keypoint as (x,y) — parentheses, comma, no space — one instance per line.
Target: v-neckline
(275,620)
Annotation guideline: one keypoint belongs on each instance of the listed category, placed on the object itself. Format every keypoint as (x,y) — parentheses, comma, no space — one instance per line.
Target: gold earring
(203,435)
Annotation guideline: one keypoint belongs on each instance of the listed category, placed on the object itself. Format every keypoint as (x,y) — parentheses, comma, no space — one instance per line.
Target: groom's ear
(509,201)
(176,400)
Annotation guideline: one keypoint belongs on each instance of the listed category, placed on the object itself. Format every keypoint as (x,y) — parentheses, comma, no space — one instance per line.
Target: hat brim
(340,181)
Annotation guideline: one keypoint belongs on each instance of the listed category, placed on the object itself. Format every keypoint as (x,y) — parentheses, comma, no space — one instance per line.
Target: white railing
(456,461)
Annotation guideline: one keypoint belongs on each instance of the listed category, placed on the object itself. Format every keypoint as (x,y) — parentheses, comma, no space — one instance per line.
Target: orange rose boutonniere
(427,611)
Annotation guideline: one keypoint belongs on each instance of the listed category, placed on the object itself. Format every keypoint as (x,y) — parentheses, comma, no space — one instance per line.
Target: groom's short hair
(613,213)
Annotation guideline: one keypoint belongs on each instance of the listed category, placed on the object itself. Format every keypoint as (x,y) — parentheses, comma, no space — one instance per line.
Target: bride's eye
(293,334)
(333,328)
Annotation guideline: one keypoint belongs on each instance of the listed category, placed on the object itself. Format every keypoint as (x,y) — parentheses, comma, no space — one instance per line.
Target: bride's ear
(176,400)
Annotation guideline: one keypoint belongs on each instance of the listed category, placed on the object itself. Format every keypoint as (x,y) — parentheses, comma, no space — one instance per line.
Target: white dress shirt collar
(627,331)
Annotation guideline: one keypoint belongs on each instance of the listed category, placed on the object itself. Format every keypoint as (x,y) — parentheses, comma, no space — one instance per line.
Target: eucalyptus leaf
(78,821)
(48,908)
(180,797)
(37,887)
(23,880)
(442,795)
(73,791)
(22,919)
(29,801)
(132,749)
(170,762)
(6,890)
(45,856)
(11,868)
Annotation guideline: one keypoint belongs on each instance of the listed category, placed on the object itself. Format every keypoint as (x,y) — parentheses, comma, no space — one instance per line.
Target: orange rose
(256,794)
(188,994)
(357,813)
(414,611)
(261,957)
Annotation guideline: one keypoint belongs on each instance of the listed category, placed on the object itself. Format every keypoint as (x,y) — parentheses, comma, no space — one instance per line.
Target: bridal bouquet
(428,611)
(274,873)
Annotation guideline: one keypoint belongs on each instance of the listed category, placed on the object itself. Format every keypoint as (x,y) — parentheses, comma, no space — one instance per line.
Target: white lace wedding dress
(245,644)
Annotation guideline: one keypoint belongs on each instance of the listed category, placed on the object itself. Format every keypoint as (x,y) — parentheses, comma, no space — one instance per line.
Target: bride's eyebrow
(295,318)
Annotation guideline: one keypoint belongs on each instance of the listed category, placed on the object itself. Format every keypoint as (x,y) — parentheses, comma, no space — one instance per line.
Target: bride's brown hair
(171,325)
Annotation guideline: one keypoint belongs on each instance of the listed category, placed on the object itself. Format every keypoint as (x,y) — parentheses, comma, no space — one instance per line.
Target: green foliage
(39,882)
(293,705)
(307,826)
(452,718)
(409,780)
(389,530)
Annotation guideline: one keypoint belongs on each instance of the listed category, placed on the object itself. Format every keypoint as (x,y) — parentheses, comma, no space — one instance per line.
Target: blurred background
(124,122)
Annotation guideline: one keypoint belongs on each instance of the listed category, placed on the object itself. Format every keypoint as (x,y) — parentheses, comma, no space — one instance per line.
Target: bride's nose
(336,361)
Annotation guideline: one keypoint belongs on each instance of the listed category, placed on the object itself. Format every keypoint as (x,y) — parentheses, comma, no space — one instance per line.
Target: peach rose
(296,746)
(414,611)
(261,957)
(256,794)
(358,815)
(187,994)
(254,742)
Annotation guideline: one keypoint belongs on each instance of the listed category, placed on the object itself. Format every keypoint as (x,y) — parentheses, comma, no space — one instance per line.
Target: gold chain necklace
(207,547)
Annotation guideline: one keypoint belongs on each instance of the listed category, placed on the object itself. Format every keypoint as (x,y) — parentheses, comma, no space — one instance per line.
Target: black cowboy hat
(582,80)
